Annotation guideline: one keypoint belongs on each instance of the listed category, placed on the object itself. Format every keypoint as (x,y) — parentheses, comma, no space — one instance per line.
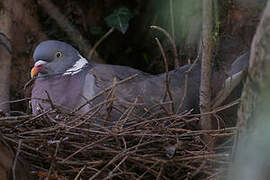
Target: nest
(160,146)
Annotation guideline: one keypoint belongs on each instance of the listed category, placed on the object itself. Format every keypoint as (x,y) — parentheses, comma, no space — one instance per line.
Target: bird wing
(148,89)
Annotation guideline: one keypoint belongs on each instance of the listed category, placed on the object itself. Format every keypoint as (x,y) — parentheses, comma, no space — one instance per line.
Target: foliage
(119,19)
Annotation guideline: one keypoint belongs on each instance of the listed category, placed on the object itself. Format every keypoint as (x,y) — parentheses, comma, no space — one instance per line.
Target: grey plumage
(240,64)
(74,89)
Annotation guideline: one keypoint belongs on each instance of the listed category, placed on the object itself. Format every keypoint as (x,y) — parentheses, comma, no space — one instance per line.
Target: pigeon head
(55,57)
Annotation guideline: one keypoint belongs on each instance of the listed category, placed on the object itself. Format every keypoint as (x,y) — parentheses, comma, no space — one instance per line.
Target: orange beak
(35,70)
(37,67)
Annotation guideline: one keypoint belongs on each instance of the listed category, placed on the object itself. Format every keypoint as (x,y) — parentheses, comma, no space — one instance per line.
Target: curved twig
(166,74)
(93,50)
(176,59)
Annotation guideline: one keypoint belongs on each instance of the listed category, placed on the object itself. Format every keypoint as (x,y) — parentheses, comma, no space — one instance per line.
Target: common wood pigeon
(69,80)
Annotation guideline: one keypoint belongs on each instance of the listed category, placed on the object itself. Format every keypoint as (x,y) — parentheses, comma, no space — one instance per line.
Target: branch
(205,86)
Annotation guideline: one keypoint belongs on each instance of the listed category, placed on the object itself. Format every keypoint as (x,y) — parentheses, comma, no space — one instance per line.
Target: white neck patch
(77,67)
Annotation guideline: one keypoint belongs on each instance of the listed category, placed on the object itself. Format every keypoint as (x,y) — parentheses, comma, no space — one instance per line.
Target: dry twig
(81,146)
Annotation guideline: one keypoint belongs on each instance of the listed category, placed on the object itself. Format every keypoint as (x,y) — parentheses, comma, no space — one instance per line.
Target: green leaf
(119,19)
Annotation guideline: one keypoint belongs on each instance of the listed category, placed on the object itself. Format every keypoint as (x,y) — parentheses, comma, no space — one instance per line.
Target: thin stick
(53,160)
(116,167)
(186,83)
(166,74)
(205,156)
(199,169)
(93,50)
(79,173)
(112,95)
(122,120)
(15,101)
(50,100)
(14,118)
(15,160)
(83,148)
(28,83)
(176,60)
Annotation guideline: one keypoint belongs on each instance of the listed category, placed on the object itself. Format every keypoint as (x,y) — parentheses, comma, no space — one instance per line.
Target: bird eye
(58,54)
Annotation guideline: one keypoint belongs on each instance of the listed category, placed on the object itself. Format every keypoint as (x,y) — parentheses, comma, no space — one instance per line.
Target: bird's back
(146,88)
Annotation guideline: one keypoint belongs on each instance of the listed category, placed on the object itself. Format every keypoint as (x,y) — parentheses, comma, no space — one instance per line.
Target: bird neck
(77,67)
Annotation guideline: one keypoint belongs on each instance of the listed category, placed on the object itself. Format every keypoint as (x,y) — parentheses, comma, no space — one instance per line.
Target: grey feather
(73,91)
